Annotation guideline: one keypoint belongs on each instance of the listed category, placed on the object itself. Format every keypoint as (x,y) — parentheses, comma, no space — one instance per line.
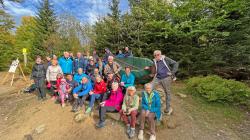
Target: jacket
(100,88)
(109,69)
(115,99)
(155,105)
(52,72)
(128,80)
(38,71)
(168,62)
(80,63)
(83,89)
(78,77)
(133,105)
(66,65)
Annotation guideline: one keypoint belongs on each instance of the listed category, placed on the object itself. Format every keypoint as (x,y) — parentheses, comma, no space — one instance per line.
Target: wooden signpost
(12,71)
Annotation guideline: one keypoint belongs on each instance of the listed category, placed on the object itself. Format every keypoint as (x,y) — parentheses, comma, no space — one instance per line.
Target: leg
(133,118)
(143,116)
(151,118)
(42,88)
(155,82)
(93,97)
(166,84)
(105,96)
(103,111)
(75,104)
(36,81)
(81,102)
(124,117)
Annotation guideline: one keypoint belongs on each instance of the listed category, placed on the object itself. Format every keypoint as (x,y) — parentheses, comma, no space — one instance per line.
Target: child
(38,75)
(63,91)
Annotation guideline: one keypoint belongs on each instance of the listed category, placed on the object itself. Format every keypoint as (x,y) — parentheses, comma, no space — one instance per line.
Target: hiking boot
(39,98)
(132,133)
(152,137)
(89,109)
(100,125)
(140,136)
(128,129)
(168,112)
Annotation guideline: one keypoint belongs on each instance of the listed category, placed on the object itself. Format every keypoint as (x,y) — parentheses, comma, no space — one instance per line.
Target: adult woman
(53,70)
(112,104)
(151,109)
(129,108)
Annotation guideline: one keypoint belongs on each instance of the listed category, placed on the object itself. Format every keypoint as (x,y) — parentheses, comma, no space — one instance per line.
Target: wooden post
(22,72)
(12,80)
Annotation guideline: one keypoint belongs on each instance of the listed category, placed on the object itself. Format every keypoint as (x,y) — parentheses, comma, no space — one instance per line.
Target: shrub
(217,89)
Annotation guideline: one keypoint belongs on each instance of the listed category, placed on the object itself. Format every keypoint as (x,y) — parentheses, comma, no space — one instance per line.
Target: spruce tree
(46,25)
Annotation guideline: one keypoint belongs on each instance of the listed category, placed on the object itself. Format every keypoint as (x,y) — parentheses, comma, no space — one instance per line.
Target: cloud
(17,9)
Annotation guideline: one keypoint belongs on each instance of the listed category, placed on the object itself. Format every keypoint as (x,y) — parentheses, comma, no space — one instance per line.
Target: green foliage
(216,89)
(46,25)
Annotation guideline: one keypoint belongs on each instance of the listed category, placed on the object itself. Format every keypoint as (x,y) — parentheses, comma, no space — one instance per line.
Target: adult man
(164,76)
(112,67)
(128,53)
(79,62)
(80,94)
(66,64)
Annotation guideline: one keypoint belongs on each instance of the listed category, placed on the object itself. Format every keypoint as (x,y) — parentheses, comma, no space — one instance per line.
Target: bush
(217,89)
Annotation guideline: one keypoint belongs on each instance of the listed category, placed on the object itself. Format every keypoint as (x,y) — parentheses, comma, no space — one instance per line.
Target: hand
(91,92)
(75,96)
(174,79)
(124,112)
(146,68)
(122,84)
(147,113)
(102,104)
(169,73)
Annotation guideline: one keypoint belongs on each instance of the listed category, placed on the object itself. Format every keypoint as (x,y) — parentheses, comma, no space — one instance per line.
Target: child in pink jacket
(112,104)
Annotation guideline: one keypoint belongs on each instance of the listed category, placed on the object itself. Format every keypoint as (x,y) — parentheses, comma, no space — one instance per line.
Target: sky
(84,10)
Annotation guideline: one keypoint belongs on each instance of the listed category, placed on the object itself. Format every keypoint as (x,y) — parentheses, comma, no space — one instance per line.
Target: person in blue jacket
(128,79)
(79,62)
(150,109)
(120,54)
(79,75)
(66,64)
(80,94)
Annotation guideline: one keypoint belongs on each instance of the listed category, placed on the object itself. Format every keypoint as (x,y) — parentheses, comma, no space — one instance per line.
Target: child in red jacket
(100,88)
(62,88)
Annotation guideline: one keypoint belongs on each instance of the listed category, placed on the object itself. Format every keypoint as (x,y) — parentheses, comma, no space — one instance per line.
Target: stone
(40,129)
(28,137)
(182,95)
(114,116)
(80,117)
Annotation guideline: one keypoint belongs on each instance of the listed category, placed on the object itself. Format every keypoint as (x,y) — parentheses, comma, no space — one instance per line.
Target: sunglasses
(157,55)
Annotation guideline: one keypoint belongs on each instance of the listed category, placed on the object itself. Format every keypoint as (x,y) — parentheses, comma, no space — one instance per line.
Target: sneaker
(128,129)
(63,105)
(132,133)
(100,125)
(152,137)
(168,112)
(89,109)
(140,136)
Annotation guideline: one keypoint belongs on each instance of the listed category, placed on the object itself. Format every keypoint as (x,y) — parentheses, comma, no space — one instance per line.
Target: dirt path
(23,117)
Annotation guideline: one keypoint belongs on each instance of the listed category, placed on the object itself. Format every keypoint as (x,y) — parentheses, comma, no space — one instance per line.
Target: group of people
(77,79)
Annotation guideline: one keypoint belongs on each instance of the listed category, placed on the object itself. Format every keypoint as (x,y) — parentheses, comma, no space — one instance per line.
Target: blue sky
(84,10)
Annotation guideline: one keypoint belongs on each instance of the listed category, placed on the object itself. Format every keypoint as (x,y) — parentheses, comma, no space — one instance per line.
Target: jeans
(166,85)
(93,97)
(124,117)
(40,85)
(151,121)
(103,110)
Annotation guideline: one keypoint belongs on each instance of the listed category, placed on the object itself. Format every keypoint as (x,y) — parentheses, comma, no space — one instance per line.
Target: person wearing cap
(129,109)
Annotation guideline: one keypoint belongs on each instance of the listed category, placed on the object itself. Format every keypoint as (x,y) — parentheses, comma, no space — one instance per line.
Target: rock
(6,118)
(182,95)
(40,129)
(28,137)
(80,117)
(113,116)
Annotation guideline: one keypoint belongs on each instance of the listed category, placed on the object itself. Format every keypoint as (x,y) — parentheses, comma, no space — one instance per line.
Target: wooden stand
(13,76)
